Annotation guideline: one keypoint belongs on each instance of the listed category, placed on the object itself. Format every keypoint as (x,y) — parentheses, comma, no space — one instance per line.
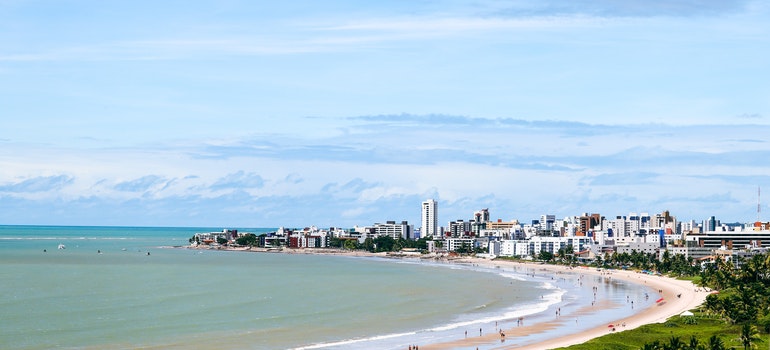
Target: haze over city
(264,114)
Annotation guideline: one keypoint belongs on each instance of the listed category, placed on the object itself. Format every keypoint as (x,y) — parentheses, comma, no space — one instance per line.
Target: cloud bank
(381,167)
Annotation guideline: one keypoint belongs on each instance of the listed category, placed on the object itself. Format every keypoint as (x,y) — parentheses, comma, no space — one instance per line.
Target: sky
(341,113)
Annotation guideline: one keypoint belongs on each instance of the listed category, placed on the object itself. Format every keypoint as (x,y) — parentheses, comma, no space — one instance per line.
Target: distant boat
(62,246)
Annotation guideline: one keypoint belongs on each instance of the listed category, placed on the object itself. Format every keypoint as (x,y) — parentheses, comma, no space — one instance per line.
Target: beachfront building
(639,246)
(517,248)
(429,219)
(308,237)
(337,232)
(275,239)
(554,244)
(209,238)
(458,244)
(533,246)
(394,230)
(361,233)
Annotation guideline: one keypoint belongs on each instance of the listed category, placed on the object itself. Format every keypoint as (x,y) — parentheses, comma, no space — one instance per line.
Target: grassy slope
(662,332)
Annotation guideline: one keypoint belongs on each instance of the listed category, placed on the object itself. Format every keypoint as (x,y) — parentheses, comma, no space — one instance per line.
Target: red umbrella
(659,300)
(610,326)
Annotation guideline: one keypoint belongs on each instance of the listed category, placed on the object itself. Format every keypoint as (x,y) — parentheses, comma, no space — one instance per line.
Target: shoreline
(679,296)
(690,297)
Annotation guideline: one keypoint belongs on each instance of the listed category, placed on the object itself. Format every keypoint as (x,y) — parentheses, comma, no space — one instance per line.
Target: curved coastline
(454,326)
(539,330)
(678,296)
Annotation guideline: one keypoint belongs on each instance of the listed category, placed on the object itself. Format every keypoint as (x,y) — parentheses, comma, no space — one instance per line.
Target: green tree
(335,242)
(545,255)
(749,336)
(384,244)
(350,244)
(694,344)
(421,243)
(248,239)
(464,248)
(655,345)
(221,240)
(369,244)
(675,343)
(716,343)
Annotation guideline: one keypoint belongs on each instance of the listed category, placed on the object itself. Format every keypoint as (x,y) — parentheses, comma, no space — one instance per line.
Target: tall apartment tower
(429,218)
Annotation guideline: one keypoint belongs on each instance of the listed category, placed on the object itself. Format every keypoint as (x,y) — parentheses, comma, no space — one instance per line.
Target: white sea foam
(552,296)
(355,341)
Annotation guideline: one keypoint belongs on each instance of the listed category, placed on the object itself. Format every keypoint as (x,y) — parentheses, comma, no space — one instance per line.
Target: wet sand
(690,297)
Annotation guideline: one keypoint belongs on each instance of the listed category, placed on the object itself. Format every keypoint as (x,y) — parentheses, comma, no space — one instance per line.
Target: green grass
(676,326)
(694,279)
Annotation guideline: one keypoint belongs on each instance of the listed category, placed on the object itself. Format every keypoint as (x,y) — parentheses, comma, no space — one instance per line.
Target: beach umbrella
(659,300)
(687,313)
(610,326)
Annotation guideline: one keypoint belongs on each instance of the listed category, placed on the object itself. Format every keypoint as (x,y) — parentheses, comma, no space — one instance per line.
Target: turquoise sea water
(105,291)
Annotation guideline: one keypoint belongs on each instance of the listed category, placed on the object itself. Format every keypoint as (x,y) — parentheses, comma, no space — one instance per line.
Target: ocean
(128,287)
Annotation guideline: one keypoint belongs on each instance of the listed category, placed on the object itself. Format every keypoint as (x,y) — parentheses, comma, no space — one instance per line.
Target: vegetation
(733,318)
(676,265)
(248,239)
(380,244)
(676,334)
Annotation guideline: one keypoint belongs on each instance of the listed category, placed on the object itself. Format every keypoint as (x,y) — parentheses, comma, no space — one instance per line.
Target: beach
(677,296)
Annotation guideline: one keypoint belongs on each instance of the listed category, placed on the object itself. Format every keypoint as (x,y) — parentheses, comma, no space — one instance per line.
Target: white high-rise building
(429,219)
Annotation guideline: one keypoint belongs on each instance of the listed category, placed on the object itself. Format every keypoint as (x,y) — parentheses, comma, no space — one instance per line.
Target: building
(639,247)
(533,246)
(588,223)
(459,228)
(429,215)
(481,215)
(214,237)
(454,244)
(394,230)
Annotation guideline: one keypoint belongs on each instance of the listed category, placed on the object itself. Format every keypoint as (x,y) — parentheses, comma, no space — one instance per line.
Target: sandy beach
(678,296)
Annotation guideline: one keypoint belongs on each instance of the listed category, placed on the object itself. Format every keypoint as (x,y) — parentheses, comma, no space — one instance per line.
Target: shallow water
(104,291)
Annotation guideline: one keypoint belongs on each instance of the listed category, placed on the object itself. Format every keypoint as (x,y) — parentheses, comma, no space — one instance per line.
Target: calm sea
(124,287)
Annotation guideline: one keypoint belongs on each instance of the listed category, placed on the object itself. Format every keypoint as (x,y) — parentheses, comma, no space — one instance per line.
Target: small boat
(62,246)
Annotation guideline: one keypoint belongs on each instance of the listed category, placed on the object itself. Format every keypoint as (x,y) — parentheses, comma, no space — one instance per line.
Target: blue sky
(336,113)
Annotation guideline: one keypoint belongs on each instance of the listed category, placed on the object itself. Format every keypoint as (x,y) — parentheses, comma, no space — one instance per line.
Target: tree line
(742,298)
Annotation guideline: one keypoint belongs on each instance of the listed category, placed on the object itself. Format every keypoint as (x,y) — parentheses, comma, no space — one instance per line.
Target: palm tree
(694,344)
(716,343)
(749,336)
(652,346)
(674,344)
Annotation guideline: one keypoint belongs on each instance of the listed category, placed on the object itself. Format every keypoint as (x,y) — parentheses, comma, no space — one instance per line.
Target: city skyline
(262,114)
